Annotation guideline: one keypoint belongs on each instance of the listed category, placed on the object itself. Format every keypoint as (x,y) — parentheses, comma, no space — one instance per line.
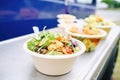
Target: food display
(89,35)
(49,50)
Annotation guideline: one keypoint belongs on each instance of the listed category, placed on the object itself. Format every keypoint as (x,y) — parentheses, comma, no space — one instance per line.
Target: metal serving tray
(16,64)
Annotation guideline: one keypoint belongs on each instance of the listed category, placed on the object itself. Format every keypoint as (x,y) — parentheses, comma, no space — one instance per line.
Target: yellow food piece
(55,45)
(93,18)
(90,30)
(74,29)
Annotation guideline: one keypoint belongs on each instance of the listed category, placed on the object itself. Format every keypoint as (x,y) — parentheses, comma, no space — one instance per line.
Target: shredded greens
(52,44)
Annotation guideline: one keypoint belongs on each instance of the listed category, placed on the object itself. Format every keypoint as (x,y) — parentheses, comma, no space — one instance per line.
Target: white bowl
(90,41)
(63,26)
(66,16)
(55,64)
(108,25)
(103,34)
(106,28)
(66,21)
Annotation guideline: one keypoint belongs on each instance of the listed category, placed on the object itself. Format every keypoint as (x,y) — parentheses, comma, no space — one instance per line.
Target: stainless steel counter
(16,64)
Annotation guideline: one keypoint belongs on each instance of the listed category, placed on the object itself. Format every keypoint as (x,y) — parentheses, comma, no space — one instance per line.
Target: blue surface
(13,29)
(18,16)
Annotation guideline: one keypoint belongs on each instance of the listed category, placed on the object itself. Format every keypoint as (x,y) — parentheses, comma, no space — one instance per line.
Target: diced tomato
(67,50)
(86,31)
(95,41)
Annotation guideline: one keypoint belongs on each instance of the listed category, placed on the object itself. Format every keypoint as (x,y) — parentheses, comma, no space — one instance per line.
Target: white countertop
(16,64)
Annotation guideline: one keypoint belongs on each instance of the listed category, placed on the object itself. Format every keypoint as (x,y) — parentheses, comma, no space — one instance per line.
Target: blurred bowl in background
(66,18)
(64,26)
(90,41)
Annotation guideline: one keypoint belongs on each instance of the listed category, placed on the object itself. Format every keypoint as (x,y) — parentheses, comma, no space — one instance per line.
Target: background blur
(17,17)
(110,9)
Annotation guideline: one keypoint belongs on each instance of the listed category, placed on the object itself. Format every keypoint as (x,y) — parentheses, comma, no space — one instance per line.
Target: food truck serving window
(85,1)
(90,2)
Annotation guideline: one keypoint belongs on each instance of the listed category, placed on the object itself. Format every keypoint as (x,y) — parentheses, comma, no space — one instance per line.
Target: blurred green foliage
(112,3)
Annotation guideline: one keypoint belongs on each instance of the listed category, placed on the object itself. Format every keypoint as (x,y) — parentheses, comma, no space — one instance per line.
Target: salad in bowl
(52,44)
(52,53)
(99,22)
(89,35)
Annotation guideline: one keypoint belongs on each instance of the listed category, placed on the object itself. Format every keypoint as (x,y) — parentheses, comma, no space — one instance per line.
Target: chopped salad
(87,29)
(90,43)
(48,43)
(97,20)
